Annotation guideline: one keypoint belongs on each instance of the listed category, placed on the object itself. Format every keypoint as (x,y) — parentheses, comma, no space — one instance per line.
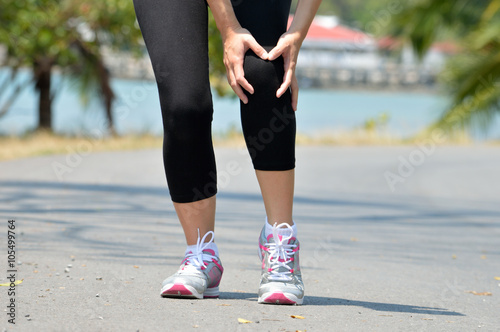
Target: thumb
(276,52)
(257,49)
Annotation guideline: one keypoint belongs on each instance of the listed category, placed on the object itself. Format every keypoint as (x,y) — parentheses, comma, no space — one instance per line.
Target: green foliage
(422,22)
(472,77)
(49,28)
(68,34)
(356,13)
(216,54)
(378,123)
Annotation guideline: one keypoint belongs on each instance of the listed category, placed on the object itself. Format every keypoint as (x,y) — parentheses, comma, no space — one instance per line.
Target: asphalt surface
(392,239)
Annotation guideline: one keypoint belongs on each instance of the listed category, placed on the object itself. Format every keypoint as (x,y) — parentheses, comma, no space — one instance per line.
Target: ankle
(269,228)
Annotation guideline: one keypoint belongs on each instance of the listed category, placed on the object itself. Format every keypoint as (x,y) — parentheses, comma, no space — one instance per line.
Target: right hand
(236,43)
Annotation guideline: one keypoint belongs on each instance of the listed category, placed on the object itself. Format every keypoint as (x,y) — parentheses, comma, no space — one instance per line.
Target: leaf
(480,294)
(17,282)
(297,317)
(244,321)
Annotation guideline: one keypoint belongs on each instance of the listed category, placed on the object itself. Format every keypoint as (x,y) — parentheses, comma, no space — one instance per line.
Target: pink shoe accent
(218,265)
(210,251)
(178,289)
(263,247)
(278,298)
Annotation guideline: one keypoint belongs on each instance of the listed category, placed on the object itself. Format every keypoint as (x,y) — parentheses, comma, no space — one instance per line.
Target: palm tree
(472,78)
(45,34)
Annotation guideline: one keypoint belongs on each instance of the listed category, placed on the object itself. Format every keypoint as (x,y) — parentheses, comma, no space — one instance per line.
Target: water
(137,110)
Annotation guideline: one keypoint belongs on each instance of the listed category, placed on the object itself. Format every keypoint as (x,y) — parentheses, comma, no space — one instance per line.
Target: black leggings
(176,37)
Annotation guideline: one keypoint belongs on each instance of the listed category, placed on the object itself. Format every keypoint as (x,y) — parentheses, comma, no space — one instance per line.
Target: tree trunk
(104,78)
(108,95)
(43,75)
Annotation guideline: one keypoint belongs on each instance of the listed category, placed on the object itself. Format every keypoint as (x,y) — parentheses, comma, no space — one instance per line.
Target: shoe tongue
(284,232)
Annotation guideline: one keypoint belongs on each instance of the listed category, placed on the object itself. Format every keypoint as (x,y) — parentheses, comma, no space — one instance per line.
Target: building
(333,54)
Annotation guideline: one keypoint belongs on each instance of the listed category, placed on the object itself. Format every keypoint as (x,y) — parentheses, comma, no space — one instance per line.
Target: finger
(287,79)
(236,87)
(239,75)
(257,49)
(295,92)
(284,86)
(239,92)
(276,51)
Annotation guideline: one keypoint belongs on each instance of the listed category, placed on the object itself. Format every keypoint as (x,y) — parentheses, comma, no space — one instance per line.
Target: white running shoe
(198,276)
(281,279)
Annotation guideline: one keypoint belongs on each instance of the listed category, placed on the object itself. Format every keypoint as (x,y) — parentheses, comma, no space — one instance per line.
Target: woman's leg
(175,33)
(269,129)
(277,193)
(176,36)
(269,122)
(199,215)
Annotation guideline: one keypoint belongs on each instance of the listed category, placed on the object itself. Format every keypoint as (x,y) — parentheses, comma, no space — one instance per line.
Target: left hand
(288,46)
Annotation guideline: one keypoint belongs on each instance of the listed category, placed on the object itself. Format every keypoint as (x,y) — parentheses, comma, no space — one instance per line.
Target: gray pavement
(374,257)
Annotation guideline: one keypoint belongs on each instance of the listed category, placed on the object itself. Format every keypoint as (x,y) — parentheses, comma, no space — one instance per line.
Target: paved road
(393,239)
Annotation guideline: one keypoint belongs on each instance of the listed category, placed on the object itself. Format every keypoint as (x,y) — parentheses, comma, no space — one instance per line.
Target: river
(137,110)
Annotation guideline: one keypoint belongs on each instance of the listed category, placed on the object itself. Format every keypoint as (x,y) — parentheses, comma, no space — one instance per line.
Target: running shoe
(281,279)
(198,276)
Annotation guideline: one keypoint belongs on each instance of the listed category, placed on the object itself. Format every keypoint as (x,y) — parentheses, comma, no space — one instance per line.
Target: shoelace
(280,254)
(196,260)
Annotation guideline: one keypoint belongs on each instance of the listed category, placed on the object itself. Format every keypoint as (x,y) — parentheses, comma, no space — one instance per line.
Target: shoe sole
(280,298)
(187,292)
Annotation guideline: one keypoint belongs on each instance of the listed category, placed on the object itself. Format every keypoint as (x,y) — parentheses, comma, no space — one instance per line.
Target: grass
(357,136)
(43,143)
(372,132)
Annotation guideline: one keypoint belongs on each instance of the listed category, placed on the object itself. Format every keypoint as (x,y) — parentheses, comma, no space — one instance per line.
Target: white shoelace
(196,260)
(281,253)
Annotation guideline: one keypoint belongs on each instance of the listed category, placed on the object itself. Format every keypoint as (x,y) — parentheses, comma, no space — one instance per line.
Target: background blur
(371,71)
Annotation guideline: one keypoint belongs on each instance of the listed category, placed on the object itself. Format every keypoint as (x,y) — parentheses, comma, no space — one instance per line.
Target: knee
(186,111)
(265,76)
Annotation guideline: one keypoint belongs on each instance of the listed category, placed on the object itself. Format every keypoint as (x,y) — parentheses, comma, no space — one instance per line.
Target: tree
(355,13)
(68,34)
(471,78)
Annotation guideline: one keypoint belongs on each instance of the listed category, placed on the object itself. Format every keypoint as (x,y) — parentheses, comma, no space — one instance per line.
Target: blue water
(137,110)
